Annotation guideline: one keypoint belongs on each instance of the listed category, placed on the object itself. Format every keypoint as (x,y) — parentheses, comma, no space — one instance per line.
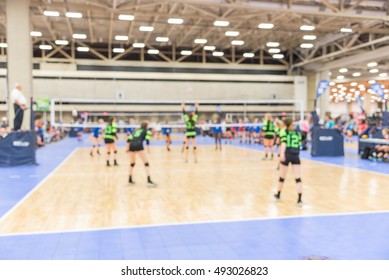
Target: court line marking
(20,202)
(197,223)
(332,164)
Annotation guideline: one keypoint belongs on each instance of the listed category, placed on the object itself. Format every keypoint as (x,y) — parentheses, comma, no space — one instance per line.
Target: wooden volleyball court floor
(220,207)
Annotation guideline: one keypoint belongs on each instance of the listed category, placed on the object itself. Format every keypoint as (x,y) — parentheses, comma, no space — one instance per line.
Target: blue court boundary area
(18,181)
(340,237)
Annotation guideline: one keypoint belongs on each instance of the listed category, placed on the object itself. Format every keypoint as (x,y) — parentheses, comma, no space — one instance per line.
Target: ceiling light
(353,84)
(273,44)
(306,46)
(3,45)
(126,17)
(346,30)
(340,77)
(372,64)
(307,27)
(221,23)
(209,48)
(218,53)
(162,39)
(146,28)
(278,56)
(237,42)
(62,42)
(248,55)
(121,37)
(73,15)
(274,51)
(138,45)
(79,36)
(332,83)
(153,51)
(375,70)
(266,25)
(371,82)
(200,41)
(383,74)
(356,74)
(186,52)
(45,47)
(175,21)
(231,33)
(118,50)
(343,70)
(36,33)
(309,37)
(51,13)
(83,49)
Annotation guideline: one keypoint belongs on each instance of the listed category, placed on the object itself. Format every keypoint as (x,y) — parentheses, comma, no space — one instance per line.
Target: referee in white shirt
(19,102)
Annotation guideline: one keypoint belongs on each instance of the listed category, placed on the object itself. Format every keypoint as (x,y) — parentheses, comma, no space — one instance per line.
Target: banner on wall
(322,87)
(376,87)
(42,104)
(360,103)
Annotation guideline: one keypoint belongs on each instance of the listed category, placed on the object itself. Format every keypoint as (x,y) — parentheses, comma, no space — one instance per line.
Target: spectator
(3,133)
(19,102)
(329,123)
(75,114)
(4,122)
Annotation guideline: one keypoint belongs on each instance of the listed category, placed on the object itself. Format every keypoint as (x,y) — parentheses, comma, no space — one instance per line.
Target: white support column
(324,101)
(19,53)
(301,92)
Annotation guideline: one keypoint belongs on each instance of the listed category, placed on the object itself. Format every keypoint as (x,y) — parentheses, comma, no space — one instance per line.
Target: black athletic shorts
(136,147)
(108,141)
(191,136)
(292,158)
(270,137)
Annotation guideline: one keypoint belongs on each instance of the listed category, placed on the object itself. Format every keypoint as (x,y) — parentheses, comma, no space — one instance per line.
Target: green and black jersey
(268,128)
(110,131)
(190,122)
(292,139)
(136,139)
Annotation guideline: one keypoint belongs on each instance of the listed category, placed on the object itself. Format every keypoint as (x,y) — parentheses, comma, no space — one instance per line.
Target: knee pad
(93,146)
(147,164)
(115,152)
(108,153)
(132,164)
(194,148)
(187,147)
(298,180)
(281,180)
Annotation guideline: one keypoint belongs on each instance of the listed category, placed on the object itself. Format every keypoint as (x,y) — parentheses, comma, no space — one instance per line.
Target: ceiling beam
(341,52)
(277,8)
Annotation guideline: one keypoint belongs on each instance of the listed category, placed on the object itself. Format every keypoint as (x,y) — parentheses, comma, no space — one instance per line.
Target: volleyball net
(168,113)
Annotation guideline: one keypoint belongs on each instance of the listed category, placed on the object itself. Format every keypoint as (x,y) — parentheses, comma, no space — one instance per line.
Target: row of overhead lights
(219,23)
(358,74)
(150,51)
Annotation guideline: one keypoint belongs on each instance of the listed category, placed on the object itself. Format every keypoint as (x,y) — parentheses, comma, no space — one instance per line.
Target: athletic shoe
(115,164)
(151,184)
(131,183)
(264,158)
(300,203)
(277,196)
